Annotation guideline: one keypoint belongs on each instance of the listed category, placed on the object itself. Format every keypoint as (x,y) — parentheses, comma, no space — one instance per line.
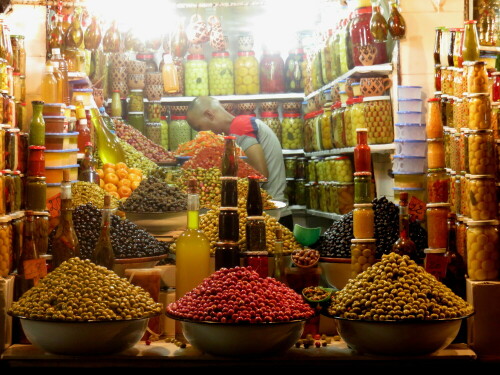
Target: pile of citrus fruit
(119,180)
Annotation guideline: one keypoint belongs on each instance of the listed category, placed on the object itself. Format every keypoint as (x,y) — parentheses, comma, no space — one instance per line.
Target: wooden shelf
(326,215)
(495,49)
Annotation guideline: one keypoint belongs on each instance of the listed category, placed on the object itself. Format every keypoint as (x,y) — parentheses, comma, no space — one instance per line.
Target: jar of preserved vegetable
(137,120)
(480,152)
(449,111)
(458,113)
(41,231)
(196,76)
(363,221)
(153,132)
(445,89)
(362,255)
(343,169)
(154,111)
(463,146)
(136,101)
(482,199)
(363,188)
(18,191)
(246,74)
(437,225)
(378,119)
(36,193)
(435,153)
(9,190)
(451,77)
(290,192)
(464,198)
(3,208)
(458,84)
(323,196)
(17,226)
(290,166)
(454,196)
(482,250)
(292,128)
(357,116)
(447,147)
(308,132)
(179,131)
(338,125)
(495,119)
(300,192)
(350,136)
(479,111)
(311,170)
(462,236)
(326,127)
(301,168)
(272,120)
(438,185)
(321,169)
(272,73)
(345,192)
(454,151)
(221,74)
(295,66)
(6,254)
(435,262)
(11,148)
(314,196)
(477,77)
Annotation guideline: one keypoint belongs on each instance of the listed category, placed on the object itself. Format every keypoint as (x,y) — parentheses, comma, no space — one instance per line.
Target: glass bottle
(362,153)
(65,242)
(86,171)
(254,197)
(169,75)
(60,81)
(74,34)
(456,268)
(396,22)
(56,37)
(470,47)
(37,125)
(116,104)
(451,47)
(29,254)
(58,61)
(279,265)
(103,254)
(404,245)
(230,158)
(84,134)
(108,145)
(437,45)
(49,86)
(111,41)
(93,35)
(378,25)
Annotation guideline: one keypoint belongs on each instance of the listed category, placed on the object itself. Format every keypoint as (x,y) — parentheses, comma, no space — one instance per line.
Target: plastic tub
(409,117)
(418,193)
(55,174)
(61,141)
(59,158)
(408,147)
(409,164)
(409,180)
(54,109)
(414,132)
(413,105)
(86,95)
(56,124)
(409,92)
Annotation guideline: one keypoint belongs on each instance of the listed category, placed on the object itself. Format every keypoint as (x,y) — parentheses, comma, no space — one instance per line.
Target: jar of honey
(435,153)
(363,221)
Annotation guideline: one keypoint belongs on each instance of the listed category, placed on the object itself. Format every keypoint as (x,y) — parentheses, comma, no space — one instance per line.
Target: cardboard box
(6,296)
(483,327)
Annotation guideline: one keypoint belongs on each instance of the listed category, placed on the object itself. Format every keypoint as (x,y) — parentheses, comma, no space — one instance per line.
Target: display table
(167,355)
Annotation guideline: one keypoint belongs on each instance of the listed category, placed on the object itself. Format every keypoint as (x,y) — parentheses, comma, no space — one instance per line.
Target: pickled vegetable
(482,250)
(246,73)
(292,131)
(221,74)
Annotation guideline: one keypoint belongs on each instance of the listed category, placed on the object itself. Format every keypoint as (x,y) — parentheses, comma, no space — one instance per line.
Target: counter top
(161,354)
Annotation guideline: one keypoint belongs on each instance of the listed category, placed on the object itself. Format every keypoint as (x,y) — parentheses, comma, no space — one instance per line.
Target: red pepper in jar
(438,186)
(36,161)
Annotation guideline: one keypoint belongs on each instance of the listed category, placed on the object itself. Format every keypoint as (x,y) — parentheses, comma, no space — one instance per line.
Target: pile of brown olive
(396,288)
(305,257)
(315,293)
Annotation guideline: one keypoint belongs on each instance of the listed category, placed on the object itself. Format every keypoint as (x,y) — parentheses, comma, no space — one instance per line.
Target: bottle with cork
(103,254)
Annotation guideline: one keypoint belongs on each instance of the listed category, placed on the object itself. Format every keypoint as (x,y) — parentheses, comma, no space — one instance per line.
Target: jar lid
(36,147)
(409,87)
(479,176)
(409,141)
(433,205)
(16,215)
(434,251)
(292,114)
(478,94)
(437,170)
(407,189)
(136,113)
(246,53)
(5,219)
(363,240)
(435,140)
(196,56)
(373,98)
(357,100)
(220,54)
(409,124)
(228,209)
(270,114)
(363,205)
(475,223)
(434,100)
(136,90)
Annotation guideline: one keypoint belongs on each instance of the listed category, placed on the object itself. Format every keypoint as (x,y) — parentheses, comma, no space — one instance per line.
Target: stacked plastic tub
(410,160)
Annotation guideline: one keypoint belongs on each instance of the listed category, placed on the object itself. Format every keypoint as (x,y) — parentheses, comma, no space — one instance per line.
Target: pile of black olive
(128,240)
(336,241)
(155,195)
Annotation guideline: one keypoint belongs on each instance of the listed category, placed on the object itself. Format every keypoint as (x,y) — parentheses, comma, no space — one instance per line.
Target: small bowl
(328,291)
(309,265)
(136,67)
(153,92)
(154,78)
(136,263)
(135,81)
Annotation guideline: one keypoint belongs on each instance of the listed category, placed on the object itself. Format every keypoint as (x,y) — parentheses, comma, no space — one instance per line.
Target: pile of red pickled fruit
(211,156)
(240,295)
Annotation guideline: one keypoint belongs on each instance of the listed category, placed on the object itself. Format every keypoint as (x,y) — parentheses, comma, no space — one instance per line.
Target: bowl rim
(82,321)
(141,260)
(247,324)
(153,212)
(404,321)
(329,290)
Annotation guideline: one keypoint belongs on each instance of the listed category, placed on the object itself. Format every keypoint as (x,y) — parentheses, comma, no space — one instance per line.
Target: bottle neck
(362,138)
(404,222)
(105,220)
(193,206)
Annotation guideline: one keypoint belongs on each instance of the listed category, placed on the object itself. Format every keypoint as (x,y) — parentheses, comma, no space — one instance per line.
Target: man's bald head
(206,113)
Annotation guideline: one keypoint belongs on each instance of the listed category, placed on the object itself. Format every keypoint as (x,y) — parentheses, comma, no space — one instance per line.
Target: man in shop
(259,143)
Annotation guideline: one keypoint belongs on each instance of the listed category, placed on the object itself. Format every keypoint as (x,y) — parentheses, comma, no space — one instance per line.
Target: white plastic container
(410,147)
(409,117)
(413,105)
(410,131)
(409,164)
(409,92)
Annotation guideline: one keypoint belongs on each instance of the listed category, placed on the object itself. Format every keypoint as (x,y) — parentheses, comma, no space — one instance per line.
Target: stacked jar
(196,76)
(221,74)
(179,130)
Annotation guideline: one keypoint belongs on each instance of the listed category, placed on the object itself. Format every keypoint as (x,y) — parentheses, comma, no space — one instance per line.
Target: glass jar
(41,231)
(378,119)
(11,148)
(153,132)
(477,77)
(272,73)
(154,110)
(349,134)
(457,47)
(149,59)
(295,66)
(447,147)
(272,120)
(445,88)
(17,226)
(196,76)
(290,192)
(435,262)
(363,221)
(36,193)
(311,170)
(338,125)
(454,196)
(293,129)
(179,131)
(323,196)
(326,127)
(444,46)
(482,250)
(457,113)
(345,57)
(221,74)
(480,152)
(17,184)
(137,120)
(482,197)
(464,196)
(18,54)
(437,225)
(300,192)
(462,236)
(495,119)
(363,253)
(357,117)
(438,185)
(435,153)
(495,87)
(365,50)
(290,167)
(345,193)
(314,196)
(437,78)
(434,126)
(308,132)
(301,168)
(343,169)
(363,188)
(246,74)
(458,85)
(449,111)
(463,145)
(6,254)
(479,110)
(8,192)
(135,101)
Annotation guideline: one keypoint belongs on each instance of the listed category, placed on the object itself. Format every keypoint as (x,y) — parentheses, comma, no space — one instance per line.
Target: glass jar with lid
(330,201)
(41,231)
(36,193)
(480,152)
(295,66)
(495,110)
(300,192)
(435,153)
(137,120)
(479,111)
(447,147)
(357,117)
(9,190)
(477,77)
(153,132)
(17,184)
(321,173)
(292,131)
(462,236)
(454,196)
(458,85)
(338,125)
(449,111)
(363,188)
(154,111)
(450,77)
(464,195)
(290,192)
(272,73)
(323,196)
(179,131)
(301,168)
(363,221)
(308,131)
(457,113)
(314,196)
(345,55)
(272,120)
(437,224)
(378,119)
(311,170)
(290,166)
(482,199)
(246,74)
(149,59)
(12,148)
(345,193)
(343,169)
(136,101)
(363,255)
(196,76)
(463,145)
(350,138)
(326,127)
(482,250)
(221,74)
(438,185)
(6,253)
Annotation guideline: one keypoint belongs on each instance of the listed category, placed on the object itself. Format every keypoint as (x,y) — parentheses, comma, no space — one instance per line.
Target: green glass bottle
(108,146)
(37,125)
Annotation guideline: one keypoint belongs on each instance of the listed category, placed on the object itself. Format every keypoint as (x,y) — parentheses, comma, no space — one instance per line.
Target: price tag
(35,269)
(54,205)
(416,209)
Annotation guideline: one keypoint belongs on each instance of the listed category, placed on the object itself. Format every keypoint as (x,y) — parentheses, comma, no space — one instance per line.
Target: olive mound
(395,289)
(80,291)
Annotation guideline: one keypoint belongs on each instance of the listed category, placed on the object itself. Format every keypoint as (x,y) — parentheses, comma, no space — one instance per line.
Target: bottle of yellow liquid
(62,66)
(49,86)
(192,248)
(108,146)
(79,107)
(169,74)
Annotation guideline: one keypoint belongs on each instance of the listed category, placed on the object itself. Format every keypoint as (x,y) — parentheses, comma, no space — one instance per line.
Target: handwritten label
(54,205)
(436,265)
(35,269)
(416,209)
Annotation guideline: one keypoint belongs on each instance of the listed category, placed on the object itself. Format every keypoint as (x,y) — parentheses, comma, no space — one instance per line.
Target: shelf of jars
(490,48)
(238,98)
(382,69)
(323,214)
(293,152)
(381,149)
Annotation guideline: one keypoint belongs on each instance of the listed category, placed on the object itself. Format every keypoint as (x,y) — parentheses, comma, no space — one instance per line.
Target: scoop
(306,236)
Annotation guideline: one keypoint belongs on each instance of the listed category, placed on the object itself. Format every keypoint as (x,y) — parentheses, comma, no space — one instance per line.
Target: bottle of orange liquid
(49,86)
(169,74)
(62,66)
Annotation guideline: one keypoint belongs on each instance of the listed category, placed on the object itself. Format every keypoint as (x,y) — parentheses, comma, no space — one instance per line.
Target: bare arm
(256,159)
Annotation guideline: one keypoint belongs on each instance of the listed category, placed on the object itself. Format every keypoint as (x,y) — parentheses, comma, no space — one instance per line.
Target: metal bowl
(84,338)
(242,340)
(158,222)
(133,263)
(406,337)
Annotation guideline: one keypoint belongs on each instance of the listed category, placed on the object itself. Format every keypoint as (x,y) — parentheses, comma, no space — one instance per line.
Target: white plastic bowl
(414,132)
(409,117)
(409,92)
(414,105)
(409,164)
(410,147)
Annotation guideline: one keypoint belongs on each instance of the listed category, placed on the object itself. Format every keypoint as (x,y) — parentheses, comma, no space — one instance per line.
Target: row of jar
(472,78)
(12,235)
(22,192)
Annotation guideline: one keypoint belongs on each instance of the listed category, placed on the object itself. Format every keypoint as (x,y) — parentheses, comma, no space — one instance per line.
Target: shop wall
(416,58)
